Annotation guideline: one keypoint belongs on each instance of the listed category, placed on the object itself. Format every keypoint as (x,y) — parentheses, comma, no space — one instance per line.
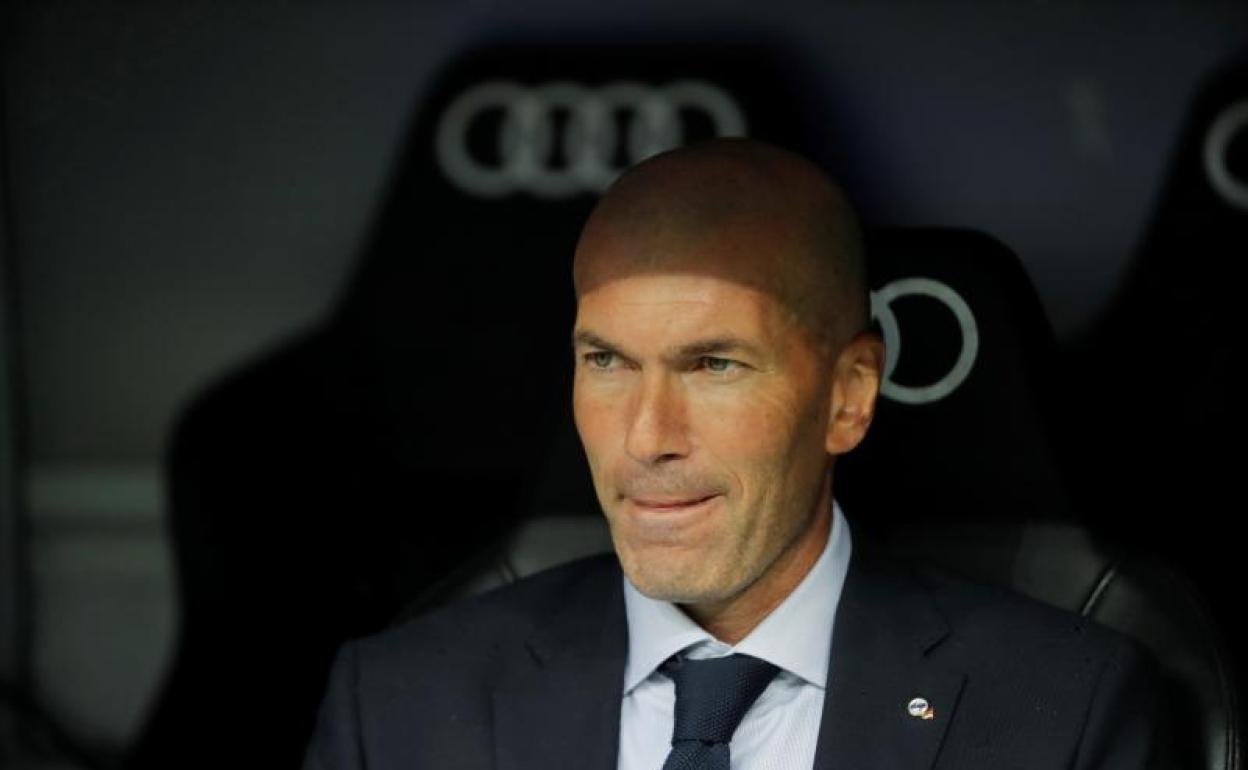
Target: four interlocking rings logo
(882,311)
(1222,131)
(526,140)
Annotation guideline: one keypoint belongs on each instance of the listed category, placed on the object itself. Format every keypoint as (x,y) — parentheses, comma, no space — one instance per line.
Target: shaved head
(741,210)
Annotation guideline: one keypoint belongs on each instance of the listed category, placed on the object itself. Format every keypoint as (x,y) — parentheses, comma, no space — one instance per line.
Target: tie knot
(713,695)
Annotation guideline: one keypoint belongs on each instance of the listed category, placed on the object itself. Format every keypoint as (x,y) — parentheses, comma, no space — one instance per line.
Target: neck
(731,620)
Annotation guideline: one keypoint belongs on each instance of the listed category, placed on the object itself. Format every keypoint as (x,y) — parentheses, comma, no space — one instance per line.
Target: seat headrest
(960,429)
(513,144)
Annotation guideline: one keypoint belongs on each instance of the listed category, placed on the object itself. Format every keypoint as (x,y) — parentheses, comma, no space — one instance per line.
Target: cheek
(751,435)
(595,418)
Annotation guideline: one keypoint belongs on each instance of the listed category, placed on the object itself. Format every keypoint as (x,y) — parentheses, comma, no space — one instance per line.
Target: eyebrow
(696,349)
(588,338)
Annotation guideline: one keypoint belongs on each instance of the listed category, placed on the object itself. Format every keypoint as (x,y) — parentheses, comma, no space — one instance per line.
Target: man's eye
(600,359)
(718,365)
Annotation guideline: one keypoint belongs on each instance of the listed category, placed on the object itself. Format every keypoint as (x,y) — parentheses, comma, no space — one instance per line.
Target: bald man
(722,363)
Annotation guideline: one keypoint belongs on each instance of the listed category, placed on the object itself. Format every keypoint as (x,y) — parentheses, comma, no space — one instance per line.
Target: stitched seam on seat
(1102,585)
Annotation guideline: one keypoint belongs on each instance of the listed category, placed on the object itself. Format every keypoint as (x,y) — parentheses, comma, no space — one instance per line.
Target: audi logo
(527,139)
(882,311)
(1217,141)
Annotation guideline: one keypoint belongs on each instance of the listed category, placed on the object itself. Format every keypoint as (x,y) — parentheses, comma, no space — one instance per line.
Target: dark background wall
(189,183)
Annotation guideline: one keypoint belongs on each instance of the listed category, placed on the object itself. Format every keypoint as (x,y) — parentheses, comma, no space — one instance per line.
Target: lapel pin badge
(919,708)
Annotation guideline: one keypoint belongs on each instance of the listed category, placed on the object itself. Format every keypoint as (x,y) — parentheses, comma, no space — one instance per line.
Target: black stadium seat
(1158,456)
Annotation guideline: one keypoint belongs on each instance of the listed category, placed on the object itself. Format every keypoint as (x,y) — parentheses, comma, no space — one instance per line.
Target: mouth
(665,505)
(668,521)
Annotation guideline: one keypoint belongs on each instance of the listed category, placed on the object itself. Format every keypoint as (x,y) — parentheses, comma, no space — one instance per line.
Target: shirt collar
(796,636)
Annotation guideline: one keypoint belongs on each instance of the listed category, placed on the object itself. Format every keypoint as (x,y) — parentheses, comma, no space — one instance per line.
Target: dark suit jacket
(530,676)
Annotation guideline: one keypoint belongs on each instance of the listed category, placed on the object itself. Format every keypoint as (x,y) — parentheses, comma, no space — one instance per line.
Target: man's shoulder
(997,616)
(417,693)
(487,627)
(1009,643)
(1063,675)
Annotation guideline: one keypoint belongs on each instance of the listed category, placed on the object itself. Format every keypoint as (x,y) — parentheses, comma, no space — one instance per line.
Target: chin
(664,581)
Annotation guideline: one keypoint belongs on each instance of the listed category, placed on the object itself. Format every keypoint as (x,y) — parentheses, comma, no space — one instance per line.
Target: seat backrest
(961,407)
(1160,406)
(1179,300)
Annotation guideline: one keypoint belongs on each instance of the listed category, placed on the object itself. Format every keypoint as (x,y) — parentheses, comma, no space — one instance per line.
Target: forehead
(671,308)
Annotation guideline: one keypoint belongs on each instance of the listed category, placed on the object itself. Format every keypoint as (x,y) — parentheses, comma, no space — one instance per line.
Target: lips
(668,504)
(669,509)
(667,520)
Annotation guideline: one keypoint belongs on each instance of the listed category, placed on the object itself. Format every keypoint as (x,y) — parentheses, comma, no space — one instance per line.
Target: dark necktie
(712,697)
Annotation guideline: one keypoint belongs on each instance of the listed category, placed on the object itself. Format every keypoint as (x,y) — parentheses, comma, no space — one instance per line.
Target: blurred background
(273,360)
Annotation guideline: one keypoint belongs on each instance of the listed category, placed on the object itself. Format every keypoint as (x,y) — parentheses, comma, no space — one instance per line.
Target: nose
(658,429)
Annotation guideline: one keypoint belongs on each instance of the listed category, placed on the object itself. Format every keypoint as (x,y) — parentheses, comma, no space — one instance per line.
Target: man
(722,363)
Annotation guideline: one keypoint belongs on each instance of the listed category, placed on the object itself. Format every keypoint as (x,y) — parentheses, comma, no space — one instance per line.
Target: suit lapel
(561,706)
(886,628)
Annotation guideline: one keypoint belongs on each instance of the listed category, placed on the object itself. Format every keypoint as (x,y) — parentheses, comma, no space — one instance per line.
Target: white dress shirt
(781,729)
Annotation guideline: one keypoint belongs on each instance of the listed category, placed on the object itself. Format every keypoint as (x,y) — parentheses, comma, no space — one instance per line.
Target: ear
(855,387)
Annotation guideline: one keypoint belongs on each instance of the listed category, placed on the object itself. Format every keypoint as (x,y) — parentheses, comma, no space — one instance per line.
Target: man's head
(721,362)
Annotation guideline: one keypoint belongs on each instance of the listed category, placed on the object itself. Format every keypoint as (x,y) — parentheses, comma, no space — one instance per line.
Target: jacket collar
(793,637)
(560,707)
